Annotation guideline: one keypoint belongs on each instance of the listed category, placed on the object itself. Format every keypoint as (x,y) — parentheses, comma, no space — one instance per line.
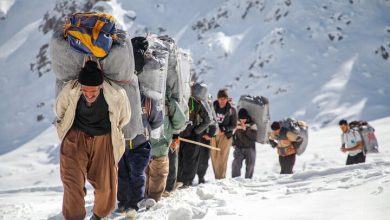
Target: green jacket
(174,122)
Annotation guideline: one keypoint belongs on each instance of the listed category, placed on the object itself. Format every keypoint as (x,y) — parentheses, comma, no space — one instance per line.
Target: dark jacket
(245,138)
(199,117)
(229,121)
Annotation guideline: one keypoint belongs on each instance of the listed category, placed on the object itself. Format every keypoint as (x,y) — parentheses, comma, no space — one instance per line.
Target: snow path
(322,187)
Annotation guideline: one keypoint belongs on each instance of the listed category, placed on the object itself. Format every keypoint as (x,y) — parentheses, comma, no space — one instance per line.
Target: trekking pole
(200,144)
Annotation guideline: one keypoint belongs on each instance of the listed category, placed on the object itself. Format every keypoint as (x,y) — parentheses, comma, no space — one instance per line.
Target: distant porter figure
(244,142)
(351,143)
(286,142)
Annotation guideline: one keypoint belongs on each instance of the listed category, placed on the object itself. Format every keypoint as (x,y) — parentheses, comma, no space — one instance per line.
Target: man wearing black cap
(284,140)
(244,141)
(90,113)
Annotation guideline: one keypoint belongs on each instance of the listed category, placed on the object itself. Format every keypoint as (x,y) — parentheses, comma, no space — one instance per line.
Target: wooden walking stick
(200,144)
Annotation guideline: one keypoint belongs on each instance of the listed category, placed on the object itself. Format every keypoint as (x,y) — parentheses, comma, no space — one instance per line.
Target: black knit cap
(90,74)
(243,114)
(275,126)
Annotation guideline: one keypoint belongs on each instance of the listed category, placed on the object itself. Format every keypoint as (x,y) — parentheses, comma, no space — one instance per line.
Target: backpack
(300,128)
(91,33)
(367,133)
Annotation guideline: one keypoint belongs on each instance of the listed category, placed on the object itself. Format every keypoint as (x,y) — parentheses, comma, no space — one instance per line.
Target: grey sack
(258,109)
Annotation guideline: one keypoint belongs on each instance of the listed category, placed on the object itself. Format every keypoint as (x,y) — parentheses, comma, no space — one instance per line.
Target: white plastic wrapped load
(135,126)
(210,106)
(200,92)
(184,62)
(118,67)
(258,109)
(173,85)
(299,127)
(119,63)
(66,62)
(153,79)
(367,134)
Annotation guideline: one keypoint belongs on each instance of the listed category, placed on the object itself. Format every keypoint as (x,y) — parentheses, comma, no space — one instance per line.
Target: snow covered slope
(321,188)
(316,60)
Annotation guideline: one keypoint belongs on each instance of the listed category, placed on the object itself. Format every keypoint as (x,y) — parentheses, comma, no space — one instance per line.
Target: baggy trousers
(188,161)
(87,157)
(131,175)
(156,177)
(204,156)
(173,166)
(287,164)
(219,159)
(241,154)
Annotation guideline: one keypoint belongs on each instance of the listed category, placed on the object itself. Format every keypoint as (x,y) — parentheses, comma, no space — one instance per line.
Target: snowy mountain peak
(316,60)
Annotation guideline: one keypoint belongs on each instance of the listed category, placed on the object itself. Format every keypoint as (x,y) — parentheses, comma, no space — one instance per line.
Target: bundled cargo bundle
(135,126)
(153,78)
(367,133)
(184,62)
(66,62)
(298,127)
(201,93)
(118,65)
(258,109)
(173,84)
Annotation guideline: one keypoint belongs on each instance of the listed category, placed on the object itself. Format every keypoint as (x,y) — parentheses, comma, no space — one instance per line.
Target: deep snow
(322,187)
(316,60)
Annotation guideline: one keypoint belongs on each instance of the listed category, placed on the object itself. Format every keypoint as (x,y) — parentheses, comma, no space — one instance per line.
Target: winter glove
(175,144)
(273,143)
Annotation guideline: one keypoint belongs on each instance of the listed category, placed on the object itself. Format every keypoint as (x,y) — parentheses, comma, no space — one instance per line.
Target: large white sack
(66,62)
(119,63)
(153,78)
(173,84)
(135,126)
(184,62)
(258,109)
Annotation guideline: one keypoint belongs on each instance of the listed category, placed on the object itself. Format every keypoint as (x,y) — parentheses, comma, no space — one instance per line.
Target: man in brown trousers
(90,113)
(227,122)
